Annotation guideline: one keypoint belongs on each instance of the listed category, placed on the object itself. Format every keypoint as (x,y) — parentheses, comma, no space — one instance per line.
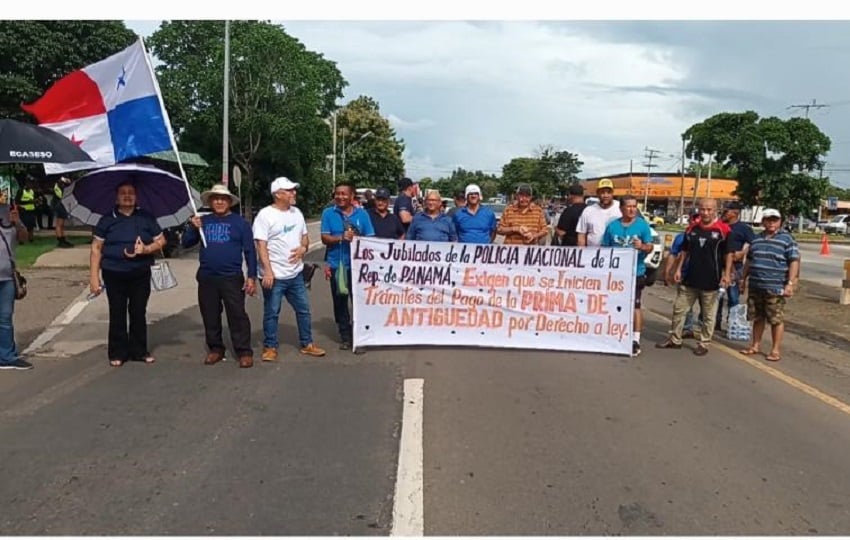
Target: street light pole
(334,159)
(350,146)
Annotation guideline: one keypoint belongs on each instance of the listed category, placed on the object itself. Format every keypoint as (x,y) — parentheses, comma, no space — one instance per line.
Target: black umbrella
(21,142)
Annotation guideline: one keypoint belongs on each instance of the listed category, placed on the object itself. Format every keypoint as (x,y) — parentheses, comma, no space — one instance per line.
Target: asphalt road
(824,269)
(515,442)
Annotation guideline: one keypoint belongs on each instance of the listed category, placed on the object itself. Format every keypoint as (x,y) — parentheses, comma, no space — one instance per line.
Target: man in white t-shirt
(596,217)
(281,236)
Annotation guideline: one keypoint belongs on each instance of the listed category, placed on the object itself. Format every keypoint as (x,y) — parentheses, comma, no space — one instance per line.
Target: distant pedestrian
(740,237)
(404,206)
(773,262)
(60,213)
(385,223)
(221,281)
(460,202)
(565,231)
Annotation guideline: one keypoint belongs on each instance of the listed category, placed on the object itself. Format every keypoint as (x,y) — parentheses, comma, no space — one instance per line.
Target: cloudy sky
(476,94)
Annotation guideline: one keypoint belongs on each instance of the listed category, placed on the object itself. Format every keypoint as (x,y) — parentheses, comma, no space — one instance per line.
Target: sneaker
(64,244)
(269,354)
(17,364)
(668,344)
(312,350)
(246,361)
(635,348)
(345,346)
(701,350)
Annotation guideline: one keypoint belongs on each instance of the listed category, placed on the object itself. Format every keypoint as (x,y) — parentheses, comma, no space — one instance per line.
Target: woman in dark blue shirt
(123,251)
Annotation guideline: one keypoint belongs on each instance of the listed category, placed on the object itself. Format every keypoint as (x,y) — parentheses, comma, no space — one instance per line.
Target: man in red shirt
(704,250)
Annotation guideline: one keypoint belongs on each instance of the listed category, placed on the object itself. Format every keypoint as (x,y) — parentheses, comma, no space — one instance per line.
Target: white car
(653,259)
(837,225)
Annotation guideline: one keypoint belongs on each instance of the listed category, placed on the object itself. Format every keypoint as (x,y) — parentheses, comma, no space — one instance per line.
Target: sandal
(116,363)
(749,351)
(773,357)
(148,359)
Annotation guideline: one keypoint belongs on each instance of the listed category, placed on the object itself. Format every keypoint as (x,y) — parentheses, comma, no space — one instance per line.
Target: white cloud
(481,93)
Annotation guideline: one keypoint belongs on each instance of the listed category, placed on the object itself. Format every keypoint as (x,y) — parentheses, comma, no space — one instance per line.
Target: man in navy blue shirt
(740,238)
(386,224)
(404,207)
(220,278)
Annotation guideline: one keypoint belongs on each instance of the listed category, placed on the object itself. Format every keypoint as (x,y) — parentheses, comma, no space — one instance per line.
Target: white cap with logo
(282,182)
(771,212)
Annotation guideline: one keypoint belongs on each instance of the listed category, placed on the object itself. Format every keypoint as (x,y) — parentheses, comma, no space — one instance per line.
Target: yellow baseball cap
(605,183)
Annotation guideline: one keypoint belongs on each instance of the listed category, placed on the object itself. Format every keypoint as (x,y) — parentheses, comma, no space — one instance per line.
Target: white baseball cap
(771,212)
(282,182)
(472,188)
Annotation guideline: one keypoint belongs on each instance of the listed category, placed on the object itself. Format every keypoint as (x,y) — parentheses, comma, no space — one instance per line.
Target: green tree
(777,160)
(279,94)
(460,178)
(717,171)
(549,173)
(372,153)
(35,54)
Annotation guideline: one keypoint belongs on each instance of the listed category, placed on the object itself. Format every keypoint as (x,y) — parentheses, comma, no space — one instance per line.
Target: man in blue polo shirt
(386,224)
(432,225)
(475,223)
(340,224)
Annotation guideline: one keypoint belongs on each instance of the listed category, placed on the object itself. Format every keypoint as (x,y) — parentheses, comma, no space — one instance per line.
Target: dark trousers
(226,291)
(128,294)
(342,314)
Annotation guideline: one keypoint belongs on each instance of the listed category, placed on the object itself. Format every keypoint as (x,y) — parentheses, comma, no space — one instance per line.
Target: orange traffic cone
(824,245)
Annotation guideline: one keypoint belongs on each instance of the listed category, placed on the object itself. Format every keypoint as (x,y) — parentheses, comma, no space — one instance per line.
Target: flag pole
(171,135)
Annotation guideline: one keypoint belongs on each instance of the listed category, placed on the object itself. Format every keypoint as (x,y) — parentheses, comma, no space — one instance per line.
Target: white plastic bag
(162,277)
(738,328)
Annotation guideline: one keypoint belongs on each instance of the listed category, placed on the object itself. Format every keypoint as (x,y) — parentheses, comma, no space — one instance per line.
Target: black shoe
(635,348)
(17,364)
(64,243)
(701,350)
(345,346)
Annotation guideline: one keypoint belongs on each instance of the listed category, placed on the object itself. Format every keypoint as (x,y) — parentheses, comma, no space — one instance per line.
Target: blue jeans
(8,349)
(296,294)
(733,295)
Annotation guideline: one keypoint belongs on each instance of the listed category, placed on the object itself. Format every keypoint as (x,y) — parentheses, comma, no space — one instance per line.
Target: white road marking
(59,323)
(408,512)
(71,312)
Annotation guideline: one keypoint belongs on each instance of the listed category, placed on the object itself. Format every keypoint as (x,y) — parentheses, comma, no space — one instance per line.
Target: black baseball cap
(734,205)
(382,193)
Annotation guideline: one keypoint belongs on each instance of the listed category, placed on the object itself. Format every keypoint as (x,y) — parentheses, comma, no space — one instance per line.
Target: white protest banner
(489,295)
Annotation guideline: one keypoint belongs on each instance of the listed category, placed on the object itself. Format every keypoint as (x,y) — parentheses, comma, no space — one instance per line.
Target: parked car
(793,224)
(837,225)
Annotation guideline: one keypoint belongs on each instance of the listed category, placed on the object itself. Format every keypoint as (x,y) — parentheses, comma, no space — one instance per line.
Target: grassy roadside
(27,254)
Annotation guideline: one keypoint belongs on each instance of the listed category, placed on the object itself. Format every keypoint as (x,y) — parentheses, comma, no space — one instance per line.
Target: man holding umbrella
(220,278)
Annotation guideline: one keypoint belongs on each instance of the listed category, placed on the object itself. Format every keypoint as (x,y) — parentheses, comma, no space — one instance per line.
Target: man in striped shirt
(523,222)
(772,264)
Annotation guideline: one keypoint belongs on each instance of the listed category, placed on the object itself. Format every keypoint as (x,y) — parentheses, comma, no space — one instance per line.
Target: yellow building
(664,191)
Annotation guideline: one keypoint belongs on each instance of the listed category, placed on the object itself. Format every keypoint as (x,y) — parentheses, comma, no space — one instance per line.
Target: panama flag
(111,109)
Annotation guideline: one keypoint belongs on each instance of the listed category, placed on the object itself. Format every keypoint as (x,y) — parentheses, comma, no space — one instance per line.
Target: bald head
(707,210)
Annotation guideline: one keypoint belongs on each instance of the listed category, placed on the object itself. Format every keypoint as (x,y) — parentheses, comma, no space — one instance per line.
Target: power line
(649,154)
(813,105)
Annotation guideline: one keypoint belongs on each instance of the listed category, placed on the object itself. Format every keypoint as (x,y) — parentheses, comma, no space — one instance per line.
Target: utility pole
(708,191)
(682,196)
(650,155)
(813,105)
(225,136)
(333,175)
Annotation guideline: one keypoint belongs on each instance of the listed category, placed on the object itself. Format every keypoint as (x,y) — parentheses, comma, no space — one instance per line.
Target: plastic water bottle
(721,293)
(91,296)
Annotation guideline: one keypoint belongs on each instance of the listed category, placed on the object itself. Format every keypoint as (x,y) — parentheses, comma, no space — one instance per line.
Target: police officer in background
(26,205)
(60,214)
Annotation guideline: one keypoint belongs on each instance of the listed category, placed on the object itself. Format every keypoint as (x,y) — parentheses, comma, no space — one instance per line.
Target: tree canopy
(371,154)
(35,54)
(549,173)
(778,161)
(280,92)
